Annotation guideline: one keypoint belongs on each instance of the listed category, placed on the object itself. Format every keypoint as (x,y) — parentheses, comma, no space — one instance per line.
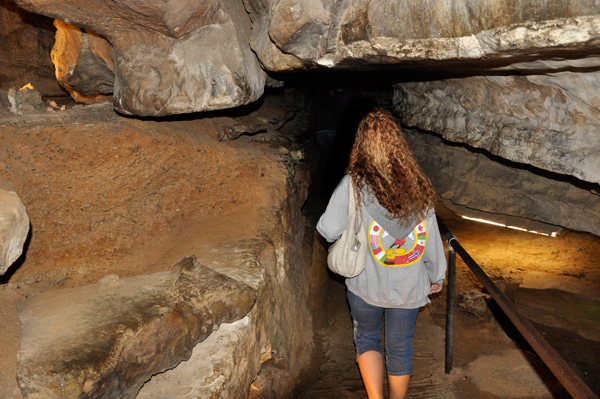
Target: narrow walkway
(340,377)
(490,360)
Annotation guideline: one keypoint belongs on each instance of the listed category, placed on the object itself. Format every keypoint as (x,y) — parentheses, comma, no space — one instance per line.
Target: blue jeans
(399,329)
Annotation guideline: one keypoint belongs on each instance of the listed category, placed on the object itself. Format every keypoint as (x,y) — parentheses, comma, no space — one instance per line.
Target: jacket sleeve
(435,256)
(332,223)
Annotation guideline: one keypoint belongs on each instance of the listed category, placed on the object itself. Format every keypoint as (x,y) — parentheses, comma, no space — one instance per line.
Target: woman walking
(406,260)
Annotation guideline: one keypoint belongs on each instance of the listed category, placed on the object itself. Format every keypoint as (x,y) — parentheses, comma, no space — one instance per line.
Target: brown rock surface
(145,193)
(114,335)
(113,194)
(26,41)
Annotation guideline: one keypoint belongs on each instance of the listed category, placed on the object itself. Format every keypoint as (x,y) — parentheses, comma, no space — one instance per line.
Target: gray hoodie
(403,260)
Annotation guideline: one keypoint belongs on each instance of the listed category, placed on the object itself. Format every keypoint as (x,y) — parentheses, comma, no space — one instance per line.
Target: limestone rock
(26,40)
(352,34)
(549,121)
(108,342)
(130,196)
(14,226)
(171,57)
(182,57)
(216,368)
(83,61)
(475,181)
(289,34)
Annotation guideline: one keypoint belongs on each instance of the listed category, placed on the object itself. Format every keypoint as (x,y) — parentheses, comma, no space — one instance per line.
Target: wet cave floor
(555,282)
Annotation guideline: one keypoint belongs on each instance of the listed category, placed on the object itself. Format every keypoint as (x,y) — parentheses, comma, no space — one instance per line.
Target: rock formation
(83,62)
(172,58)
(109,196)
(14,225)
(114,335)
(361,33)
(548,121)
(183,57)
(473,180)
(22,101)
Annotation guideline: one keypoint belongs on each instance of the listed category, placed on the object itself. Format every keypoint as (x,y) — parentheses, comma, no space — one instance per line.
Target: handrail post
(450,308)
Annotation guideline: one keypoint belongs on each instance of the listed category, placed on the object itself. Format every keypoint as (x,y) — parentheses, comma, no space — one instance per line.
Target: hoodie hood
(380,215)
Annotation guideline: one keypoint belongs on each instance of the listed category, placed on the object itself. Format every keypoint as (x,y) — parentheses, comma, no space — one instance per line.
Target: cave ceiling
(180,56)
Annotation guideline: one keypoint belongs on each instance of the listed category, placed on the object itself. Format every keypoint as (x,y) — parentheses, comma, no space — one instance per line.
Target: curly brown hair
(382,162)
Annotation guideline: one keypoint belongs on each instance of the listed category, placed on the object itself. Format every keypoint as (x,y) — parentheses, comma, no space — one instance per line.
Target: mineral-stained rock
(14,226)
(171,57)
(549,121)
(83,61)
(26,40)
(109,341)
(475,181)
(120,196)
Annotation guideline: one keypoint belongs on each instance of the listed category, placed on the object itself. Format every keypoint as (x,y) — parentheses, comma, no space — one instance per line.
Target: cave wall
(114,203)
(550,121)
(130,197)
(26,40)
(171,58)
(518,80)
(467,180)
(14,226)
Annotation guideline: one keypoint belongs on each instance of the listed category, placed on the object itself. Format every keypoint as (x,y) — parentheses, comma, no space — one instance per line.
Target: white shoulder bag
(348,255)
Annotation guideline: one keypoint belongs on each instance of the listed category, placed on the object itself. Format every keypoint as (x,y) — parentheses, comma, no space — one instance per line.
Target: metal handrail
(563,372)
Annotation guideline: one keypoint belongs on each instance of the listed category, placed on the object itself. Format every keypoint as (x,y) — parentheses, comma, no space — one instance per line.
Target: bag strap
(354,210)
